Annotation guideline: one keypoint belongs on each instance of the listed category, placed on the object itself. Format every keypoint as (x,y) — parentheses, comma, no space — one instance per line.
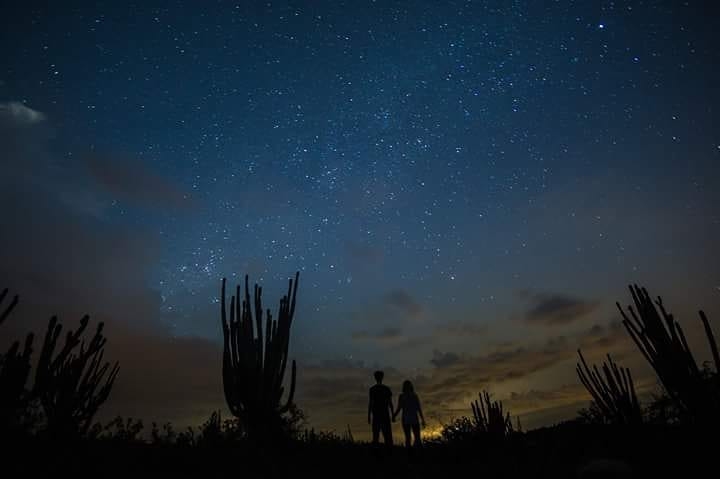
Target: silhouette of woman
(409,403)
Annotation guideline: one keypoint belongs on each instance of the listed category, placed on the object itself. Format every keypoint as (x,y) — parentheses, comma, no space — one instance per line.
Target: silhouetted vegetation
(16,414)
(4,313)
(70,384)
(694,391)
(489,423)
(489,417)
(613,391)
(327,437)
(118,429)
(254,361)
(72,381)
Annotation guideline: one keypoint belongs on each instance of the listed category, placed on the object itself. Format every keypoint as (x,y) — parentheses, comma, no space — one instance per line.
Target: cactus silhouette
(613,391)
(14,374)
(73,383)
(70,386)
(489,417)
(254,361)
(662,341)
(6,312)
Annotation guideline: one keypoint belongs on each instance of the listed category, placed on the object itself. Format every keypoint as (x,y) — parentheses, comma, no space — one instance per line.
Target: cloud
(174,380)
(16,113)
(441,360)
(539,407)
(125,178)
(404,302)
(63,259)
(555,309)
(456,377)
(461,328)
(387,334)
(84,183)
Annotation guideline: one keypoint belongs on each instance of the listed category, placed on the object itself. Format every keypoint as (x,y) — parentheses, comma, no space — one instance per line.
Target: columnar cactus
(74,383)
(254,361)
(614,394)
(662,341)
(489,417)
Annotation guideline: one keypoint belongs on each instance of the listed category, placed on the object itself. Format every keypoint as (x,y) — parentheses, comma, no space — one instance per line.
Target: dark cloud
(128,179)
(557,309)
(87,184)
(62,259)
(172,379)
(441,360)
(457,377)
(404,302)
(596,330)
(62,256)
(387,334)
(461,329)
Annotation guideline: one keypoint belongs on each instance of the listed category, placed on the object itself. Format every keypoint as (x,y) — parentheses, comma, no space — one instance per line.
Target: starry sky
(466,188)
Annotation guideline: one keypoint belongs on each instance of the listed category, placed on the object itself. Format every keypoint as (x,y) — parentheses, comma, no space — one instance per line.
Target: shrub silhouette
(118,430)
(254,361)
(459,430)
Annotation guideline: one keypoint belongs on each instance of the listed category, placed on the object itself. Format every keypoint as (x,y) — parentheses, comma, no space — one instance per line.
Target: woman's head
(408,387)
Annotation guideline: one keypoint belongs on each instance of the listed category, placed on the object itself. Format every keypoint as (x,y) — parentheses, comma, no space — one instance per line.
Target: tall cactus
(254,361)
(662,341)
(489,417)
(74,383)
(614,394)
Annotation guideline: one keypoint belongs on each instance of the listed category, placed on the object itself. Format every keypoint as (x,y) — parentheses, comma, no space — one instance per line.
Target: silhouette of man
(380,410)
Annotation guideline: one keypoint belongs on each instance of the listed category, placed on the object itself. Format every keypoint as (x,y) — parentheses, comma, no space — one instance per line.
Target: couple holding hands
(380,410)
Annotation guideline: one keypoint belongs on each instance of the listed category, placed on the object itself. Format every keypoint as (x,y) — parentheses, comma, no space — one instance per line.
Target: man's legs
(387,432)
(375,432)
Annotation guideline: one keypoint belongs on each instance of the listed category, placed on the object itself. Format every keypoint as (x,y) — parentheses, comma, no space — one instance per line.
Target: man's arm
(390,404)
(370,405)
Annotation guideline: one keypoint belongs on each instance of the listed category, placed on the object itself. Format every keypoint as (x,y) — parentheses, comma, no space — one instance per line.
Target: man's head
(379,375)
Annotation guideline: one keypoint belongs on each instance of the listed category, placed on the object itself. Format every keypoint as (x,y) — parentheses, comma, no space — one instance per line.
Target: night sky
(465,187)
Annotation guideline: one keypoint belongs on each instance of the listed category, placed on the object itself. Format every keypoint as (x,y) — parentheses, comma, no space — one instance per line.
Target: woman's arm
(399,406)
(420,411)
